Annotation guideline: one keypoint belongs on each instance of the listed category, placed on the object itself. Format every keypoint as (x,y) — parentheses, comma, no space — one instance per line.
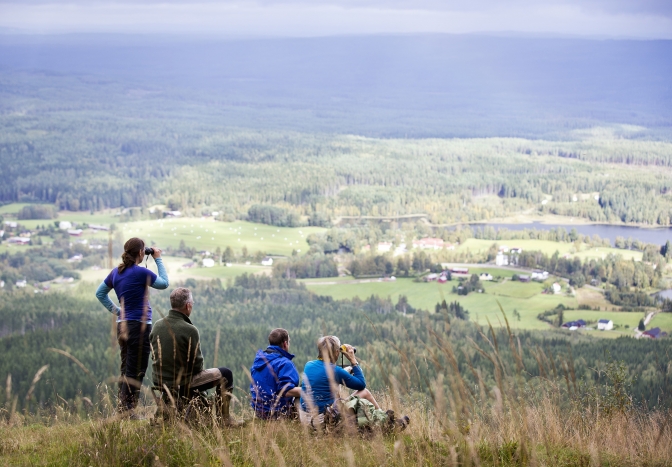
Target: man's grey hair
(180,297)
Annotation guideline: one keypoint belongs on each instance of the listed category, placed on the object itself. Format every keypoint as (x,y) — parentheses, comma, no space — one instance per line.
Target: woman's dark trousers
(133,338)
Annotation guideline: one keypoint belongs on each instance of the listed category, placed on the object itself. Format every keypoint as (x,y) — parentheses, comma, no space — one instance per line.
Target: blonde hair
(328,347)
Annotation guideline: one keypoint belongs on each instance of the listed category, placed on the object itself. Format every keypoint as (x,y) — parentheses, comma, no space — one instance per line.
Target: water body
(654,236)
(665,294)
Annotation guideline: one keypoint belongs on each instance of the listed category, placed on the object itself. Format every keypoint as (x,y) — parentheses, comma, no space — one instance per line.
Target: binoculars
(149,251)
(344,349)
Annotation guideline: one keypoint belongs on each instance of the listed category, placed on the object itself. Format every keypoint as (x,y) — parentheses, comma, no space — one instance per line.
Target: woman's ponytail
(132,249)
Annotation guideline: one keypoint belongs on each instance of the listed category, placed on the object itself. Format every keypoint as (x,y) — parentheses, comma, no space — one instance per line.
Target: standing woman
(131,283)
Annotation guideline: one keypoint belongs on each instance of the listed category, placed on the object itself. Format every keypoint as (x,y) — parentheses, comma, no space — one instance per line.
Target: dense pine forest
(406,348)
(93,165)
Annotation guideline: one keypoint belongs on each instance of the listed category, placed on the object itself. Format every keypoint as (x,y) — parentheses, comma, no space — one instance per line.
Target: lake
(655,236)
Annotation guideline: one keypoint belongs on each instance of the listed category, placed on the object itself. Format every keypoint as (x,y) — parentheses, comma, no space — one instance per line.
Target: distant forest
(455,128)
(80,164)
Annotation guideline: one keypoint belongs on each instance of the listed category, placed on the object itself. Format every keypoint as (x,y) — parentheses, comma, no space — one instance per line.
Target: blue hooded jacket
(272,371)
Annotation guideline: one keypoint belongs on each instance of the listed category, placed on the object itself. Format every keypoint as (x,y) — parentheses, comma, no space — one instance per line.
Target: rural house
(605,325)
(654,333)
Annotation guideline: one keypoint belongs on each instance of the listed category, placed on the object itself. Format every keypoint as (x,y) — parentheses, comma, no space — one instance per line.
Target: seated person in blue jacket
(321,378)
(275,381)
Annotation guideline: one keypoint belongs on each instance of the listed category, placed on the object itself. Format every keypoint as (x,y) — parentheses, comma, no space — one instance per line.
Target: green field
(524,297)
(208,234)
(177,273)
(475,245)
(13,208)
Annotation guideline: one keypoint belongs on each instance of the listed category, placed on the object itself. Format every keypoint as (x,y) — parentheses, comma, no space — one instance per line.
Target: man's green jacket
(176,350)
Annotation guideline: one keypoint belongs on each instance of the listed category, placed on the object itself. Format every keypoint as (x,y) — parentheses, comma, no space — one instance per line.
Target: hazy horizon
(648,19)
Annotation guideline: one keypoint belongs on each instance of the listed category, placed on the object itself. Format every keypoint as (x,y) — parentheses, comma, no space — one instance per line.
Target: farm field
(208,234)
(475,245)
(525,298)
(202,233)
(104,217)
(177,273)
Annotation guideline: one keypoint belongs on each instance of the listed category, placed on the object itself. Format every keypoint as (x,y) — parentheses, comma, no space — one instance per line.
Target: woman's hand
(350,353)
(157,252)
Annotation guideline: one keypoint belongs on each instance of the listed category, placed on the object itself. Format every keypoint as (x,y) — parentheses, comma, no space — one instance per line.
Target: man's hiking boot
(224,416)
(402,423)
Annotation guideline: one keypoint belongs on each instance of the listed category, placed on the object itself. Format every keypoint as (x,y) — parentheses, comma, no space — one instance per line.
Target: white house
(172,214)
(539,275)
(428,243)
(384,247)
(267,261)
(65,225)
(605,325)
(501,259)
(516,251)
(208,262)
(485,277)
(11,224)
(556,288)
(18,240)
(22,283)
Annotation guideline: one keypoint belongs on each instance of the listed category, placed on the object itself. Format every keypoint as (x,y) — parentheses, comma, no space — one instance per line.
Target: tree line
(390,344)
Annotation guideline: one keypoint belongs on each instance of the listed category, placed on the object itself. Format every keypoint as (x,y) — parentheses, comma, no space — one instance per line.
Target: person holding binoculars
(321,378)
(131,283)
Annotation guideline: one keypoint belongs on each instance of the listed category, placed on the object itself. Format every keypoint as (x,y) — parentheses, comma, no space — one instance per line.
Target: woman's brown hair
(132,249)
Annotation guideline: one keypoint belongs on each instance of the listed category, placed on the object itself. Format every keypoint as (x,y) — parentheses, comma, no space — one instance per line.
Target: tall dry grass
(550,420)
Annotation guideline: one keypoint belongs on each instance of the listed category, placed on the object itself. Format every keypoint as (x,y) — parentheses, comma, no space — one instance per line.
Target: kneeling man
(275,381)
(177,361)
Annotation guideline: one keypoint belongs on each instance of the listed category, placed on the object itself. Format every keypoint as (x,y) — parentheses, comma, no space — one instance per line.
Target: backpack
(365,414)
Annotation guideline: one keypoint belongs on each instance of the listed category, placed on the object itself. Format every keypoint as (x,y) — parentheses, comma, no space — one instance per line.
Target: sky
(643,19)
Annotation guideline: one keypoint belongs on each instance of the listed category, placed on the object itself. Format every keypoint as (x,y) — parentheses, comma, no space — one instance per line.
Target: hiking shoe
(402,423)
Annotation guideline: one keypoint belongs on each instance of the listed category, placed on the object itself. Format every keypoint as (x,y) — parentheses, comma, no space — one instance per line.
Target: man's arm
(294,392)
(196,352)
(288,380)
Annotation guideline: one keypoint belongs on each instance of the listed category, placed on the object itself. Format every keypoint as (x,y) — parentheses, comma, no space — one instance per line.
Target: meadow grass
(526,298)
(177,272)
(474,245)
(208,234)
(14,208)
(514,421)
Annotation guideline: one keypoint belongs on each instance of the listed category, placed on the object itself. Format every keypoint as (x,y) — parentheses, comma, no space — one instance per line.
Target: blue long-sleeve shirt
(130,287)
(316,385)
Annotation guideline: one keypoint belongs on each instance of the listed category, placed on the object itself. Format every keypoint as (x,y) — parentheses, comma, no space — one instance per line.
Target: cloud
(616,18)
(648,7)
